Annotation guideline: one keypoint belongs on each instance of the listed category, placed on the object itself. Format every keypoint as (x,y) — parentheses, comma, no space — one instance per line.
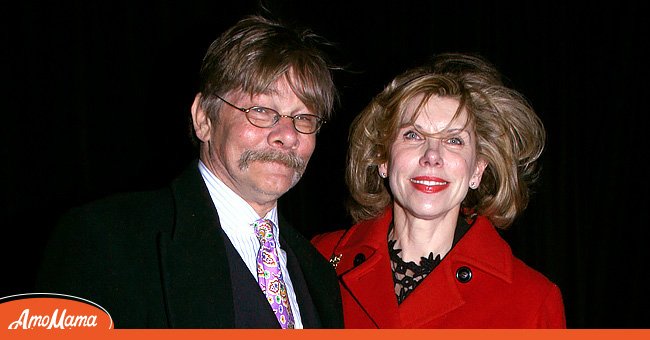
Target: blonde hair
(510,136)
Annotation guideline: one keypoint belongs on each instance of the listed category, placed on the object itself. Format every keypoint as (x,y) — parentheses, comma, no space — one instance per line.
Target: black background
(97,95)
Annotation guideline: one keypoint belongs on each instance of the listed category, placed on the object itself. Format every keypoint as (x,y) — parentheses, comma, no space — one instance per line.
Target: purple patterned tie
(269,274)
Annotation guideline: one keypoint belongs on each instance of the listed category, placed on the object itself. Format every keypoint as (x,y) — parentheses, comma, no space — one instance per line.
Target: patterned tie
(269,274)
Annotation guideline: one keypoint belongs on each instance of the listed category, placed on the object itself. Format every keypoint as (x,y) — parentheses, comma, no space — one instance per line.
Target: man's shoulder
(123,210)
(126,202)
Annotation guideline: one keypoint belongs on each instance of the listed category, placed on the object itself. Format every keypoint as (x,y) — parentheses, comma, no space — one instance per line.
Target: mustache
(288,159)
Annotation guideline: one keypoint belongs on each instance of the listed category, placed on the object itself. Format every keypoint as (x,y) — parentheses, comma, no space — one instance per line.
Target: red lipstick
(429,185)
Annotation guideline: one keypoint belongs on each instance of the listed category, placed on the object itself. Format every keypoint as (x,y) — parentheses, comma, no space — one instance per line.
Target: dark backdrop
(97,96)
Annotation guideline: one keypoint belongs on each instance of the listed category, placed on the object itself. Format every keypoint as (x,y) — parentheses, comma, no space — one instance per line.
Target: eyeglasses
(263,117)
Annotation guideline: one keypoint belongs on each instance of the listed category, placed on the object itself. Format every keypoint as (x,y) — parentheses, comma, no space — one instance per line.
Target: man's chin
(273,191)
(277,169)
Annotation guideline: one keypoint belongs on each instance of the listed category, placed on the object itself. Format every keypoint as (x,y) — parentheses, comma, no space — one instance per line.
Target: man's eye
(304,118)
(259,109)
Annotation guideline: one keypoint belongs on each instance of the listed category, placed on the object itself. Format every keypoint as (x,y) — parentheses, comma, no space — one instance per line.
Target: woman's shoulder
(326,242)
(541,291)
(362,232)
(526,275)
(486,247)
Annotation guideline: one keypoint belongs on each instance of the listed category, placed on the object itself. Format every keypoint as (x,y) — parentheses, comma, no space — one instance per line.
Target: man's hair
(255,53)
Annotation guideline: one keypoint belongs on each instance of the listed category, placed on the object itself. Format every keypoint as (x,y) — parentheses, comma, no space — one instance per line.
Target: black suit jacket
(157,260)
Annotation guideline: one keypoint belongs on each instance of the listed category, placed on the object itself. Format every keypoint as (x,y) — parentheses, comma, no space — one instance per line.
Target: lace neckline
(408,275)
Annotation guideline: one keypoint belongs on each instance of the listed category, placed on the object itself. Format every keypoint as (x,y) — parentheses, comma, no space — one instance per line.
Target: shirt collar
(234,212)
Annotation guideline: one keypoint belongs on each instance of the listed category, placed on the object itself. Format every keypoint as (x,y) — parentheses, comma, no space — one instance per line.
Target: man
(186,256)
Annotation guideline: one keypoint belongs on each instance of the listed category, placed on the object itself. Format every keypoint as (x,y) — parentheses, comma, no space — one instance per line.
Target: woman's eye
(455,141)
(411,135)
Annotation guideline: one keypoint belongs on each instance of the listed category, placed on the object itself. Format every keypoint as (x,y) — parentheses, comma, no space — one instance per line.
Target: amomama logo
(48,311)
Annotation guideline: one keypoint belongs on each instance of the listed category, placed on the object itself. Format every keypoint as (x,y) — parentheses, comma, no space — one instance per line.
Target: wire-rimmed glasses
(264,117)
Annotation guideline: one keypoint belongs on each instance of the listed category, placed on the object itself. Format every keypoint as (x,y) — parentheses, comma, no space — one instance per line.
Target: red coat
(502,291)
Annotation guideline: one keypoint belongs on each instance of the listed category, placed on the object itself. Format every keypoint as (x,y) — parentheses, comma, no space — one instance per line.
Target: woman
(442,156)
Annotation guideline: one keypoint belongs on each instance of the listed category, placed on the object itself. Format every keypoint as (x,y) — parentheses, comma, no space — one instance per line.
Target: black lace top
(408,275)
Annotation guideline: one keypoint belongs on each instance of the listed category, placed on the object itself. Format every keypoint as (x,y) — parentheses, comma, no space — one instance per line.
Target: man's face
(259,164)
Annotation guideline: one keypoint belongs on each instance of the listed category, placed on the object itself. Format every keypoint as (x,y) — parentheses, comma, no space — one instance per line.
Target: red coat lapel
(369,280)
(365,270)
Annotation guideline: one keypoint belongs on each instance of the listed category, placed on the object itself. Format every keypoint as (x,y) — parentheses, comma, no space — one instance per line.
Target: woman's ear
(200,120)
(383,170)
(481,164)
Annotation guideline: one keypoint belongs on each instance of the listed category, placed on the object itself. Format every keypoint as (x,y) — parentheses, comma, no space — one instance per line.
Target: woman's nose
(432,153)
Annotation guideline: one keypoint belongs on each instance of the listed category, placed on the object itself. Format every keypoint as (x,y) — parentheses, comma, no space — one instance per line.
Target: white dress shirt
(236,218)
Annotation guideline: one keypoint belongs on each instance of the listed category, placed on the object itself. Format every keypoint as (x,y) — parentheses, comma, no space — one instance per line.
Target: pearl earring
(473,185)
(382,174)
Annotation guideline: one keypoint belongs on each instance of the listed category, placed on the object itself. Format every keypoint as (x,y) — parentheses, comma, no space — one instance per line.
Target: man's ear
(200,120)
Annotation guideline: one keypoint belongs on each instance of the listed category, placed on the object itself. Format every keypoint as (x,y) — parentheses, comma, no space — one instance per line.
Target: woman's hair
(256,52)
(510,137)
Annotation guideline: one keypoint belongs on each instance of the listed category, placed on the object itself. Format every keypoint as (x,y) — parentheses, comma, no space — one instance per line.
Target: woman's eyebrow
(449,130)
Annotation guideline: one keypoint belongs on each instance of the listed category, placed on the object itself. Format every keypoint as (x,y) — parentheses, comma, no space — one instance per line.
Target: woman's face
(430,176)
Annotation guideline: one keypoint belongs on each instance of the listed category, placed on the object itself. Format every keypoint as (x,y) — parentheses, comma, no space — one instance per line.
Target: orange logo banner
(45,311)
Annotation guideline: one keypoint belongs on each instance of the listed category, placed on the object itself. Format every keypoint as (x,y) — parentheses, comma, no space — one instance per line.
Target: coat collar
(370,282)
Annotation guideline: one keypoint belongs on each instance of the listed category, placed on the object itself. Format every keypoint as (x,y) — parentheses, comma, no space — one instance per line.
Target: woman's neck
(418,237)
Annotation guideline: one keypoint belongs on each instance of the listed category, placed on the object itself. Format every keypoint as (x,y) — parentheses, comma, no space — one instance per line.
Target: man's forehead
(279,87)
